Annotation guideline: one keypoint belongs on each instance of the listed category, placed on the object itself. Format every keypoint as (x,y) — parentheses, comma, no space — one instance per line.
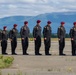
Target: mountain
(55,18)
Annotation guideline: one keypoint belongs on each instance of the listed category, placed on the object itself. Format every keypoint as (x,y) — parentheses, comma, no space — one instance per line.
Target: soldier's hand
(34,38)
(0,40)
(22,38)
(72,39)
(58,39)
(10,39)
(45,38)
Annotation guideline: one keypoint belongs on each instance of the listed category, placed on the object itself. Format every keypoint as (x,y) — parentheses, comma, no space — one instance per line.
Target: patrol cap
(38,21)
(74,23)
(49,22)
(4,27)
(62,22)
(15,25)
(26,22)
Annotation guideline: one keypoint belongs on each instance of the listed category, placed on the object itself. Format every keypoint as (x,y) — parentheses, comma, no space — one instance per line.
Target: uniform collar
(47,25)
(61,26)
(14,28)
(38,25)
(4,30)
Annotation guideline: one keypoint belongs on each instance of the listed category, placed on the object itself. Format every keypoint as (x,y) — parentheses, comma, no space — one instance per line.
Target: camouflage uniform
(13,36)
(73,42)
(47,34)
(61,35)
(4,39)
(25,34)
(0,34)
(37,35)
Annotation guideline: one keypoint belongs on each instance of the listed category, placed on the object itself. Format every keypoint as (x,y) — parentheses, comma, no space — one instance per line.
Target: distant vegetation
(54,35)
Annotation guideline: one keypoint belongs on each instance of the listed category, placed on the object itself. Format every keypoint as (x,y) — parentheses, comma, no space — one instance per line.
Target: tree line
(54,35)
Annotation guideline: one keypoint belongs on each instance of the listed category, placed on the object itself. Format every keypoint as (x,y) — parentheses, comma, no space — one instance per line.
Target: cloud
(29,1)
(35,7)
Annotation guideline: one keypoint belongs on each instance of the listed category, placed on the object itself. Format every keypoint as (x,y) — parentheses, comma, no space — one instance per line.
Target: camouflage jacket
(37,31)
(47,31)
(24,32)
(13,33)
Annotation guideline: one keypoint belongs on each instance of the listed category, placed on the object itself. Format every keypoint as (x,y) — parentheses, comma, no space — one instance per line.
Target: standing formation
(61,37)
(73,38)
(47,37)
(37,32)
(4,38)
(24,32)
(13,38)
(37,37)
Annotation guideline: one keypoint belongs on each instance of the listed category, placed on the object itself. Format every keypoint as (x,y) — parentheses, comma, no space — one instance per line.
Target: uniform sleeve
(71,33)
(44,32)
(16,32)
(10,34)
(7,35)
(29,31)
(21,32)
(0,36)
(34,32)
(50,30)
(58,32)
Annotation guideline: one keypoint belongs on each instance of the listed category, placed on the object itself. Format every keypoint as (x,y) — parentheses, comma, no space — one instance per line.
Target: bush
(6,61)
(1,56)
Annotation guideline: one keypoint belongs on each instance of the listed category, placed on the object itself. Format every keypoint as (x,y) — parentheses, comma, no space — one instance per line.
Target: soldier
(37,37)
(13,38)
(73,39)
(0,35)
(24,37)
(61,37)
(47,36)
(4,39)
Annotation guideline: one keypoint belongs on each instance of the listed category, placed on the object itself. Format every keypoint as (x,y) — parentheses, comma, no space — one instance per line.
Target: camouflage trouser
(47,45)
(73,42)
(13,46)
(25,45)
(4,46)
(37,45)
(61,45)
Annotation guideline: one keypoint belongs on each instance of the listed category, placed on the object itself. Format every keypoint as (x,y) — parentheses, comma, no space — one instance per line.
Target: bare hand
(72,39)
(34,38)
(10,39)
(58,39)
(45,38)
(22,38)
(0,40)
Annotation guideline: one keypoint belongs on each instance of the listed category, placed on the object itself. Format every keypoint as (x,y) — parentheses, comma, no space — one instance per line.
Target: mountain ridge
(55,18)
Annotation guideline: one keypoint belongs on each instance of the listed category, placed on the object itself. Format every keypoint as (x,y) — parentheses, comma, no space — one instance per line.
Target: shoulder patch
(35,27)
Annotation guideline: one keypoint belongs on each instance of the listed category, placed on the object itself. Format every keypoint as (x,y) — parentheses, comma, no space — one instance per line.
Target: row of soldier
(24,32)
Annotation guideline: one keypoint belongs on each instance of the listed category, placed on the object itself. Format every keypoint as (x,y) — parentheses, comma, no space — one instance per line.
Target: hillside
(55,18)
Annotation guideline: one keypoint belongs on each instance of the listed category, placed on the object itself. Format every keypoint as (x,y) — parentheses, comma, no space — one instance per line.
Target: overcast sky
(35,7)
